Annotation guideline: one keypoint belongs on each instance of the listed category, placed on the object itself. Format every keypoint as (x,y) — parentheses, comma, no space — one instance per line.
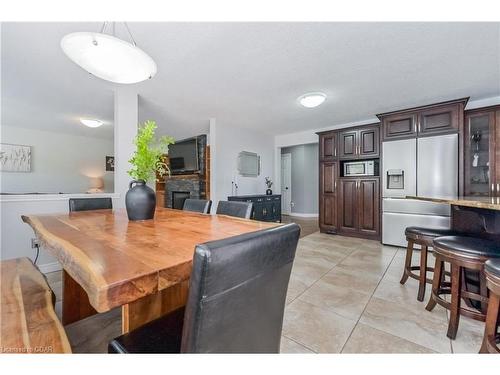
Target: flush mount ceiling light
(312,99)
(91,123)
(109,57)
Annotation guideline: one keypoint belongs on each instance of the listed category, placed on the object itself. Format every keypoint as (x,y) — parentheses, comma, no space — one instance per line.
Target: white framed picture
(15,158)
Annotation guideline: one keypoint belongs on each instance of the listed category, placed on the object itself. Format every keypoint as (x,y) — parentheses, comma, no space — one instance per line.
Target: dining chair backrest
(197,205)
(237,292)
(86,204)
(237,209)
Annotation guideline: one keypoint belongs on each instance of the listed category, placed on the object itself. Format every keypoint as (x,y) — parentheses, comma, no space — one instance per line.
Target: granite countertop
(489,203)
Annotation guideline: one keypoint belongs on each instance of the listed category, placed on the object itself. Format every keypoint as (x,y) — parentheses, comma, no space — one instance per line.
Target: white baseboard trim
(298,214)
(49,267)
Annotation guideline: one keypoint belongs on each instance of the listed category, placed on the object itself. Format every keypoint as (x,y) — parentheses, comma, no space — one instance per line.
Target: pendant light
(109,57)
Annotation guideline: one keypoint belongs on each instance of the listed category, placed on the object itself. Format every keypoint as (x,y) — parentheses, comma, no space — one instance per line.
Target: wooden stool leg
(490,328)
(423,273)
(483,291)
(436,283)
(492,320)
(456,287)
(407,269)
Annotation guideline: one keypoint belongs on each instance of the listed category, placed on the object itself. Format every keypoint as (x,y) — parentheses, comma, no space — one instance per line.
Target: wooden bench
(28,320)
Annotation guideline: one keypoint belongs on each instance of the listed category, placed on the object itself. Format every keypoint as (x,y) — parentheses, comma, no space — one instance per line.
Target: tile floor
(344,297)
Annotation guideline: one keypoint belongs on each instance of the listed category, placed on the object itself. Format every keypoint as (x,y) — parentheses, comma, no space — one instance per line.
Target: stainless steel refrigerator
(426,167)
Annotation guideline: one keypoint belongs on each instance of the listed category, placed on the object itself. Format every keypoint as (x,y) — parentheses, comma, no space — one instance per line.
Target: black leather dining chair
(197,205)
(236,299)
(86,204)
(236,209)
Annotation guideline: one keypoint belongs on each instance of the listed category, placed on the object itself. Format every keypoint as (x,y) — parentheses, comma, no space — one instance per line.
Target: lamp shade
(96,183)
(108,57)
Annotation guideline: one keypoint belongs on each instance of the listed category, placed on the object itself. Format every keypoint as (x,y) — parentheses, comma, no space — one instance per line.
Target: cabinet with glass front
(482,154)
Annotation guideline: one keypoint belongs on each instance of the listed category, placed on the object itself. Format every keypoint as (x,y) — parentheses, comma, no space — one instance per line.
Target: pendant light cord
(105,25)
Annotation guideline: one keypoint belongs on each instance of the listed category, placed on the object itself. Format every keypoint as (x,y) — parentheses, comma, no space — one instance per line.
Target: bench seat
(28,320)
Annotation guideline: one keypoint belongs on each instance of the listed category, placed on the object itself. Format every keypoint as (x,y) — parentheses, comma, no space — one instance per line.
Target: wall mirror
(248,164)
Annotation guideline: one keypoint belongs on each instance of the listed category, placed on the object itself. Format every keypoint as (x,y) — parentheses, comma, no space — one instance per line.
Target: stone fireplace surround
(190,184)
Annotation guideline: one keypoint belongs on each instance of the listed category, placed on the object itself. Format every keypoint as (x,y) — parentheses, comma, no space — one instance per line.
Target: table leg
(75,303)
(146,309)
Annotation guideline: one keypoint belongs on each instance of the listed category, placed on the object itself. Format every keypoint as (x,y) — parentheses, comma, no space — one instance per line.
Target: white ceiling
(250,74)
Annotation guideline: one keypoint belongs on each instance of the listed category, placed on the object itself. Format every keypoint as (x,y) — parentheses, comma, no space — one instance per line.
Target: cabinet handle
(335,152)
(492,189)
(335,186)
(415,126)
(498,188)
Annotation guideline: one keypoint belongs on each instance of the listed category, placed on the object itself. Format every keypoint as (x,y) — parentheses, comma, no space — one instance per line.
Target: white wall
(15,236)
(226,141)
(60,163)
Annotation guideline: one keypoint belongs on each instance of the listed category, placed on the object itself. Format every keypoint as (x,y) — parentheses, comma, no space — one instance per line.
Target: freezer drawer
(394,225)
(414,206)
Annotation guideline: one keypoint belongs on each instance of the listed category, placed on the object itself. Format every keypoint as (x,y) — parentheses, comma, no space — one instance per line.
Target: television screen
(183,156)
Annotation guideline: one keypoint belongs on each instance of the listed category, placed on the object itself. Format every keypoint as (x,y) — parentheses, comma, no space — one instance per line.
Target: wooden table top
(117,261)
(489,203)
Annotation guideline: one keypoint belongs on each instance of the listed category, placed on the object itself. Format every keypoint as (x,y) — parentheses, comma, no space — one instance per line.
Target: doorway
(286,183)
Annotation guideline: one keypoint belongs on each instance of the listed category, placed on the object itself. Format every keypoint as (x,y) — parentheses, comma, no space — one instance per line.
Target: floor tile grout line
(369,300)
(301,344)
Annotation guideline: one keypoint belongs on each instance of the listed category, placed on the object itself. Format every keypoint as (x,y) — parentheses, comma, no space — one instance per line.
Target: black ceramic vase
(140,201)
(269,192)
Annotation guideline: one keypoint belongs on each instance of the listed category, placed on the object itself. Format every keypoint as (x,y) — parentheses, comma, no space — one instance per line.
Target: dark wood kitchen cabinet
(482,152)
(328,175)
(328,146)
(359,207)
(359,143)
(435,119)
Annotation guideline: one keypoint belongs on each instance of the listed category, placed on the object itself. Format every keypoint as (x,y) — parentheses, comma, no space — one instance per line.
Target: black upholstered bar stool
(423,237)
(464,254)
(491,339)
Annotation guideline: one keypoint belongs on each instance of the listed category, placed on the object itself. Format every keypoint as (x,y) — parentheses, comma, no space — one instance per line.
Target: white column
(213,170)
(126,119)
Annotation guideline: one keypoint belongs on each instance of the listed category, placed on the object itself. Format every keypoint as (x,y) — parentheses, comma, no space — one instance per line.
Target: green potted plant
(147,162)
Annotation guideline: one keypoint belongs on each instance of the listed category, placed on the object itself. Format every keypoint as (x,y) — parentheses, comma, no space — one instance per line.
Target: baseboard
(298,214)
(49,267)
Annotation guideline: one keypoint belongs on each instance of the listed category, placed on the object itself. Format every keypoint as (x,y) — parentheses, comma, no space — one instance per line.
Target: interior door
(286,183)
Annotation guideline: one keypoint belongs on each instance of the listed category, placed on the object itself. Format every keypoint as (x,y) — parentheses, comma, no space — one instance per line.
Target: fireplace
(178,198)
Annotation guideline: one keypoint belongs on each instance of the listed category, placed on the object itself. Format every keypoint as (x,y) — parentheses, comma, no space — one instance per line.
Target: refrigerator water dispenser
(395,179)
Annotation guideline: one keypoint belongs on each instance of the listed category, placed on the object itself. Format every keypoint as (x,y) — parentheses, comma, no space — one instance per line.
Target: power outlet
(35,243)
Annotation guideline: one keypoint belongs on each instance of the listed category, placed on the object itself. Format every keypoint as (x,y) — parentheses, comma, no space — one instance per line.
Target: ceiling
(250,74)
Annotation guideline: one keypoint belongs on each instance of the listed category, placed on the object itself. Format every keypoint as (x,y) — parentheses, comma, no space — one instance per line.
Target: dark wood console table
(265,207)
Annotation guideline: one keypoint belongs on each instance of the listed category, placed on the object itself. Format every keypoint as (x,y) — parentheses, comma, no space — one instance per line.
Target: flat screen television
(183,156)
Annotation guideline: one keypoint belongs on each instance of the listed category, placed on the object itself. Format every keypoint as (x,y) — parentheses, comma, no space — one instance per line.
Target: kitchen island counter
(489,203)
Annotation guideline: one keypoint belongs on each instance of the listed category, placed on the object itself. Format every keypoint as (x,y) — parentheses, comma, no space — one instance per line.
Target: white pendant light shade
(108,57)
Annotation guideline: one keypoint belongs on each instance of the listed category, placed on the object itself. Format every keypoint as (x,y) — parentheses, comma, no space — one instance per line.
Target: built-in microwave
(359,168)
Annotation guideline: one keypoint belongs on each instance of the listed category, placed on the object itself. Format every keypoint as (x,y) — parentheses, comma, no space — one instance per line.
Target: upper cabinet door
(399,126)
(328,146)
(348,141)
(440,120)
(369,142)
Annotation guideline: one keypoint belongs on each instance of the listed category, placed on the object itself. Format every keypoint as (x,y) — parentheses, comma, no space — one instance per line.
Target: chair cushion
(493,266)
(429,232)
(469,245)
(162,335)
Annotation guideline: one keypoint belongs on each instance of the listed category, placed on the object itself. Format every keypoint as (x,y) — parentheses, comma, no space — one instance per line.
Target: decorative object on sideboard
(269,184)
(146,162)
(15,158)
(110,163)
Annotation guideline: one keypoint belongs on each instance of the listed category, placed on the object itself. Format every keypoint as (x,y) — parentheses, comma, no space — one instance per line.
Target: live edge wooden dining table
(141,266)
